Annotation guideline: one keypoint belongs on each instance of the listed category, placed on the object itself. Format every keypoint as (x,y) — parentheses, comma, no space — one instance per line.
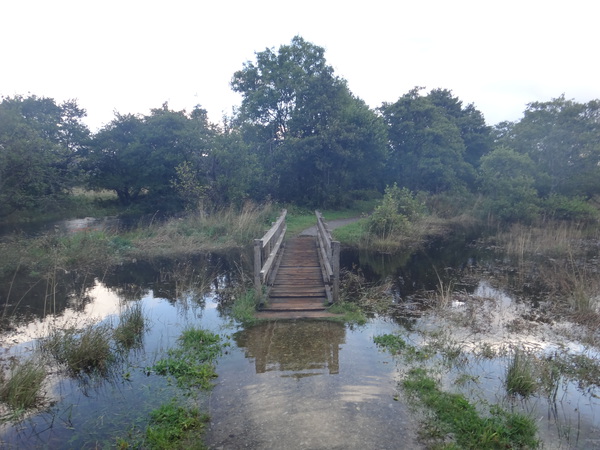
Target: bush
(575,208)
(393,215)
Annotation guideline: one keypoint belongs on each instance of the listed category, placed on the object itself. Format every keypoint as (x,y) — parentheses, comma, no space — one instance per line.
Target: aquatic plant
(130,330)
(520,374)
(20,388)
(459,420)
(81,350)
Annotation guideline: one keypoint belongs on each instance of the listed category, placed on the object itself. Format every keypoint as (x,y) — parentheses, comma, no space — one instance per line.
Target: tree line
(300,136)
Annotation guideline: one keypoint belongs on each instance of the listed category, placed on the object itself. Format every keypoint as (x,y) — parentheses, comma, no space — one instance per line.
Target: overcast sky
(130,56)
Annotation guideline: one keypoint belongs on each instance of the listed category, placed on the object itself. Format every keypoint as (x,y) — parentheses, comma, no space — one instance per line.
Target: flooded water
(298,384)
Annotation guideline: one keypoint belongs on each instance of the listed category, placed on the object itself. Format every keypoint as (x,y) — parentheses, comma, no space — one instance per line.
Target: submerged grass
(191,363)
(175,427)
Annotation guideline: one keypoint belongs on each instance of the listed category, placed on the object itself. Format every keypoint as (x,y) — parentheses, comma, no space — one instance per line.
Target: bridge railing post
(258,245)
(335,263)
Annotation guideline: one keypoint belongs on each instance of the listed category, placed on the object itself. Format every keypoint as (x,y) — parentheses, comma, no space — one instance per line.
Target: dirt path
(331,224)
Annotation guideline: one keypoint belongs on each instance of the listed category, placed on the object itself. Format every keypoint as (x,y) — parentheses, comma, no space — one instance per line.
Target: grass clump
(191,363)
(460,421)
(20,388)
(128,334)
(86,350)
(175,427)
(244,307)
(520,374)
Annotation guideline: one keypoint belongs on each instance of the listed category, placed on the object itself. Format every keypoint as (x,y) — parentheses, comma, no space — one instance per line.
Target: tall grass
(20,388)
(196,232)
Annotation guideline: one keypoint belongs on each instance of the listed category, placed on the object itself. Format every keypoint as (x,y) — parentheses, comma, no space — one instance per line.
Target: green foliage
(20,389)
(350,311)
(40,147)
(428,138)
(175,427)
(460,418)
(569,208)
(392,342)
(561,137)
(138,156)
(506,178)
(315,140)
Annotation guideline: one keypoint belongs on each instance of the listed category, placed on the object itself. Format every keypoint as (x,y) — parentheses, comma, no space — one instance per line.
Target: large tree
(562,137)
(315,140)
(427,148)
(41,146)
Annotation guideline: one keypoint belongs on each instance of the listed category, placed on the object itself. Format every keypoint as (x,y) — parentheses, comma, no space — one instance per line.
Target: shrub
(393,215)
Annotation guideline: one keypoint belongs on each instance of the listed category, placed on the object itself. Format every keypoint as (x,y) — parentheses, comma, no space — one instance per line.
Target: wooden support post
(258,244)
(335,265)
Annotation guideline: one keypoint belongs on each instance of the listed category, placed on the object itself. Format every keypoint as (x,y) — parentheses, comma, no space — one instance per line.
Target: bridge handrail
(330,256)
(266,251)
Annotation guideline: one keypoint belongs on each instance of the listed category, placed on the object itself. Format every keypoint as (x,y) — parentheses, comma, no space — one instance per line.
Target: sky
(130,56)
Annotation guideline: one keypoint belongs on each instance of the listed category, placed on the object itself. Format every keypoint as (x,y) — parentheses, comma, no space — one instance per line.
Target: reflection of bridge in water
(303,347)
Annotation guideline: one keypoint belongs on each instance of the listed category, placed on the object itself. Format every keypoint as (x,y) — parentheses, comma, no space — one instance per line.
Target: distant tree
(314,139)
(427,149)
(506,179)
(562,137)
(144,155)
(476,135)
(41,145)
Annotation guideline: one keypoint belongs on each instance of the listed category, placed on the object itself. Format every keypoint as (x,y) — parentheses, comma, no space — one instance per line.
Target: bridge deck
(298,289)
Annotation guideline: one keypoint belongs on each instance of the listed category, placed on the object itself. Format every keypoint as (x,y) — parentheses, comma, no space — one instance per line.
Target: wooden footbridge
(299,276)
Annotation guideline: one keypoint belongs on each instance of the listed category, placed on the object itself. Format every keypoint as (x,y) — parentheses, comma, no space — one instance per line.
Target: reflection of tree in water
(301,346)
(25,298)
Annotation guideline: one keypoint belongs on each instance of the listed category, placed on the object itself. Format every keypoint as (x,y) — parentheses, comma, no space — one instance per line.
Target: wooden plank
(298,285)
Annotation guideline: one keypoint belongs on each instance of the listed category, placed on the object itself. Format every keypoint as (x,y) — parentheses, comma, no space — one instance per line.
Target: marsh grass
(20,387)
(129,332)
(196,232)
(553,239)
(521,378)
(84,350)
